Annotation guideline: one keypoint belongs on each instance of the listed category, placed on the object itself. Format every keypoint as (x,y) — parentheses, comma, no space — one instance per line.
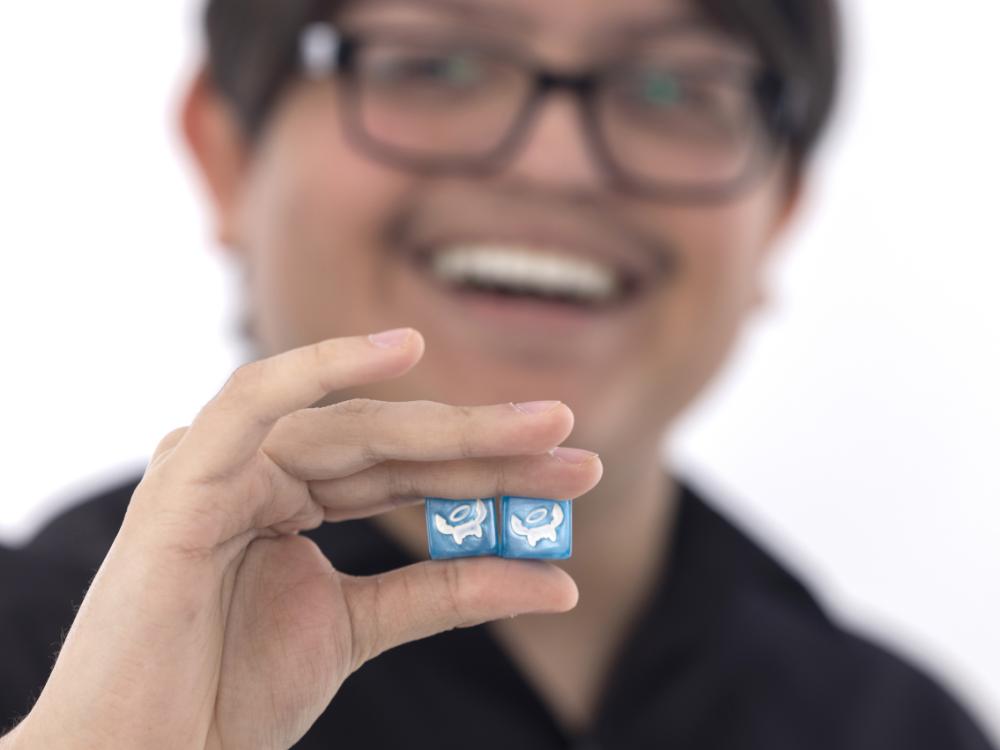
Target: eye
(446,69)
(663,91)
(657,88)
(696,100)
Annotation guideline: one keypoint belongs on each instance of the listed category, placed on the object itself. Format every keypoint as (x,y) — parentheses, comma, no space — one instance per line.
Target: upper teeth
(526,270)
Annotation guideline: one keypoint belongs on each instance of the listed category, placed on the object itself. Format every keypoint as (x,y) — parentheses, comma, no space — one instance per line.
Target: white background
(857,429)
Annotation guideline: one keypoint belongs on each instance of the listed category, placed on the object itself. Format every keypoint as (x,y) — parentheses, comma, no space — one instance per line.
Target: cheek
(723,253)
(699,317)
(310,226)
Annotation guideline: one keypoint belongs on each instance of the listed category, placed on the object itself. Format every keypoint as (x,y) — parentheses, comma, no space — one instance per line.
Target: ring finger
(565,475)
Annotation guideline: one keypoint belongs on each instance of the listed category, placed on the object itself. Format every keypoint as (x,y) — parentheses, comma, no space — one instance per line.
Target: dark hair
(252,54)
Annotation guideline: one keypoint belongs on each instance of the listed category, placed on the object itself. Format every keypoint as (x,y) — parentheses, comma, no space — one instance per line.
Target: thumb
(430,597)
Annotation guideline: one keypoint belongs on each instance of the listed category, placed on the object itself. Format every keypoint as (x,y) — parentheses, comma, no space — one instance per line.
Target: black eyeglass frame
(325,50)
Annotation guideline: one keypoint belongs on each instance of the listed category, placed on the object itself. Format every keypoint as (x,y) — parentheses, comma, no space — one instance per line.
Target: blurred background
(857,430)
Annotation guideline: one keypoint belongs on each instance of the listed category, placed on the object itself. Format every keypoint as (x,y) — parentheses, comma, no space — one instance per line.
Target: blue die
(461,528)
(537,528)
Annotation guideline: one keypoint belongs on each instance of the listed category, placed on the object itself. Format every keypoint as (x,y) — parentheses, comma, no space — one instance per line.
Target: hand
(212,623)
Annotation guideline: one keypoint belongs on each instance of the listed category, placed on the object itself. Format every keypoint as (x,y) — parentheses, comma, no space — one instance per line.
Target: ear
(787,208)
(217,143)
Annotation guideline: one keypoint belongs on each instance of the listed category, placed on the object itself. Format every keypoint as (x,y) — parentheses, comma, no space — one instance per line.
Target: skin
(230,612)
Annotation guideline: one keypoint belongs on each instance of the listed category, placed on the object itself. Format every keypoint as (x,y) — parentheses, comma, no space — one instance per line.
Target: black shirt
(731,653)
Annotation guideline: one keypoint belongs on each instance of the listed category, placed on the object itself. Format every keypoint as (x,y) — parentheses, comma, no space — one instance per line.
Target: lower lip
(525,315)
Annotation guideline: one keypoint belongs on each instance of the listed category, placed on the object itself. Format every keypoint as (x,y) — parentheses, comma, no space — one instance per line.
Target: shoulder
(41,585)
(788,657)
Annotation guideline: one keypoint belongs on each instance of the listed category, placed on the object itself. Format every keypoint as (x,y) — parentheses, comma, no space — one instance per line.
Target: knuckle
(241,391)
(377,638)
(466,413)
(466,432)
(466,444)
(466,593)
(427,411)
(453,588)
(398,483)
(370,454)
(371,642)
(360,407)
(169,441)
(360,608)
(241,386)
(319,355)
(245,377)
(500,477)
(365,411)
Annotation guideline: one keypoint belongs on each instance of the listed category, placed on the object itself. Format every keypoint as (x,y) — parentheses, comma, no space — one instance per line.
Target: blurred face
(540,280)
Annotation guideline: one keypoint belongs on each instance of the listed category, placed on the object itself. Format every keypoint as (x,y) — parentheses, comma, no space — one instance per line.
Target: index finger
(229,429)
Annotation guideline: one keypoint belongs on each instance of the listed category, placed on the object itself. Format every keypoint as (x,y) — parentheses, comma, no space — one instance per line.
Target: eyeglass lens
(659,121)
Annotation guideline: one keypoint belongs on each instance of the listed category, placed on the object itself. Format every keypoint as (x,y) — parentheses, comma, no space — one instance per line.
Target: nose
(554,151)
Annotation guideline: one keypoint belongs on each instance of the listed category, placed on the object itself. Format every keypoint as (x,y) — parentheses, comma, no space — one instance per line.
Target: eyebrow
(637,31)
(458,10)
(624,33)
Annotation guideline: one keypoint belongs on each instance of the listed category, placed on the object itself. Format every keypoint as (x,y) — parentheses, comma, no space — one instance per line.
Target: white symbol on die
(535,534)
(460,528)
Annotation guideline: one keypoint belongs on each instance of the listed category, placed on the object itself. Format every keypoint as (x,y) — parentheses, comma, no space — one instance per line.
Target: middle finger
(335,441)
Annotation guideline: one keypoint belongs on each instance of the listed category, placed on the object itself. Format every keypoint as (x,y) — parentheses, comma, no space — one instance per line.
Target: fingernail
(390,339)
(572,455)
(536,407)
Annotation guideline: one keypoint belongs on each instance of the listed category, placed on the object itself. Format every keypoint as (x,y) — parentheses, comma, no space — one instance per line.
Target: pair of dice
(530,528)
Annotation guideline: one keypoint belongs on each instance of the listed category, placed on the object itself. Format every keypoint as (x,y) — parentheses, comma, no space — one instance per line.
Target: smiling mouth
(513,271)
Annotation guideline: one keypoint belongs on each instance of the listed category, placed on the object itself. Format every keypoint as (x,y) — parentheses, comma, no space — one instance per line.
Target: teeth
(525,271)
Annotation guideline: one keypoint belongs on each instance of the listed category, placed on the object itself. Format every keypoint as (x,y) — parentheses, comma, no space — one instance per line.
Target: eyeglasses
(674,130)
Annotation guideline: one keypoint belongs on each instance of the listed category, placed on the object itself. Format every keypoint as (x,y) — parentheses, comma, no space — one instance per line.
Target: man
(571,201)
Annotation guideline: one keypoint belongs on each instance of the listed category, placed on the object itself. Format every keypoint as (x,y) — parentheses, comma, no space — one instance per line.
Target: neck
(619,530)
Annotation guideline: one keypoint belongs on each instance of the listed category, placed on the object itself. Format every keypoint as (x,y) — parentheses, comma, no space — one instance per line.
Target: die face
(461,528)
(537,528)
